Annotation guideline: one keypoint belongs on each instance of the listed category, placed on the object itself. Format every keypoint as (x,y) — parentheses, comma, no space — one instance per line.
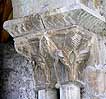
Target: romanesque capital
(51,50)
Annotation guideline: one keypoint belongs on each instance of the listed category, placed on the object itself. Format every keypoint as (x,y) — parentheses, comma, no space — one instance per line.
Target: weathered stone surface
(23,26)
(47,94)
(95,82)
(74,41)
(98,51)
(58,48)
(50,50)
(25,7)
(57,19)
(16,76)
(70,91)
(76,14)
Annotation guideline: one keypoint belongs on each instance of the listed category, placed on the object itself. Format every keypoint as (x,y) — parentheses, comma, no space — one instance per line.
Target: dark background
(5,14)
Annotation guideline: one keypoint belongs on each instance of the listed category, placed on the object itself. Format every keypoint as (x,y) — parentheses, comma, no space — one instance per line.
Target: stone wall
(16,75)
(95,82)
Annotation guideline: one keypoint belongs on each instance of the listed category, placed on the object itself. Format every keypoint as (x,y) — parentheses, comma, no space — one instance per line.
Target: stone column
(47,94)
(70,91)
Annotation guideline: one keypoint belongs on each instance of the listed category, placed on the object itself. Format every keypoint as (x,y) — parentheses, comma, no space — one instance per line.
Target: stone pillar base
(47,94)
(70,91)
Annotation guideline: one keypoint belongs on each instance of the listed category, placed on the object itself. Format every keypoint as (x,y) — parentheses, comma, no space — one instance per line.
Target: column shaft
(47,94)
(69,91)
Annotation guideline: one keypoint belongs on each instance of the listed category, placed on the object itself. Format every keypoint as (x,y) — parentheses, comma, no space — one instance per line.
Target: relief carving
(57,20)
(73,55)
(22,26)
(70,47)
(40,63)
(39,59)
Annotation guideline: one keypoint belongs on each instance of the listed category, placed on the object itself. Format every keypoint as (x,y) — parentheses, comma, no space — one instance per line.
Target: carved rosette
(58,55)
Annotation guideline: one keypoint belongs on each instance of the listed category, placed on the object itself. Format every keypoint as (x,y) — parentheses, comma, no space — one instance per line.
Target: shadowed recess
(6,13)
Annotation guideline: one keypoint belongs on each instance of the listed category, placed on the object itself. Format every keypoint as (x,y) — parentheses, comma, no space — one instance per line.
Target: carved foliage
(41,60)
(75,53)
(69,47)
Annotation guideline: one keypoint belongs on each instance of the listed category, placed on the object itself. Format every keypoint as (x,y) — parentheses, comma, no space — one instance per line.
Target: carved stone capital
(58,55)
(23,26)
